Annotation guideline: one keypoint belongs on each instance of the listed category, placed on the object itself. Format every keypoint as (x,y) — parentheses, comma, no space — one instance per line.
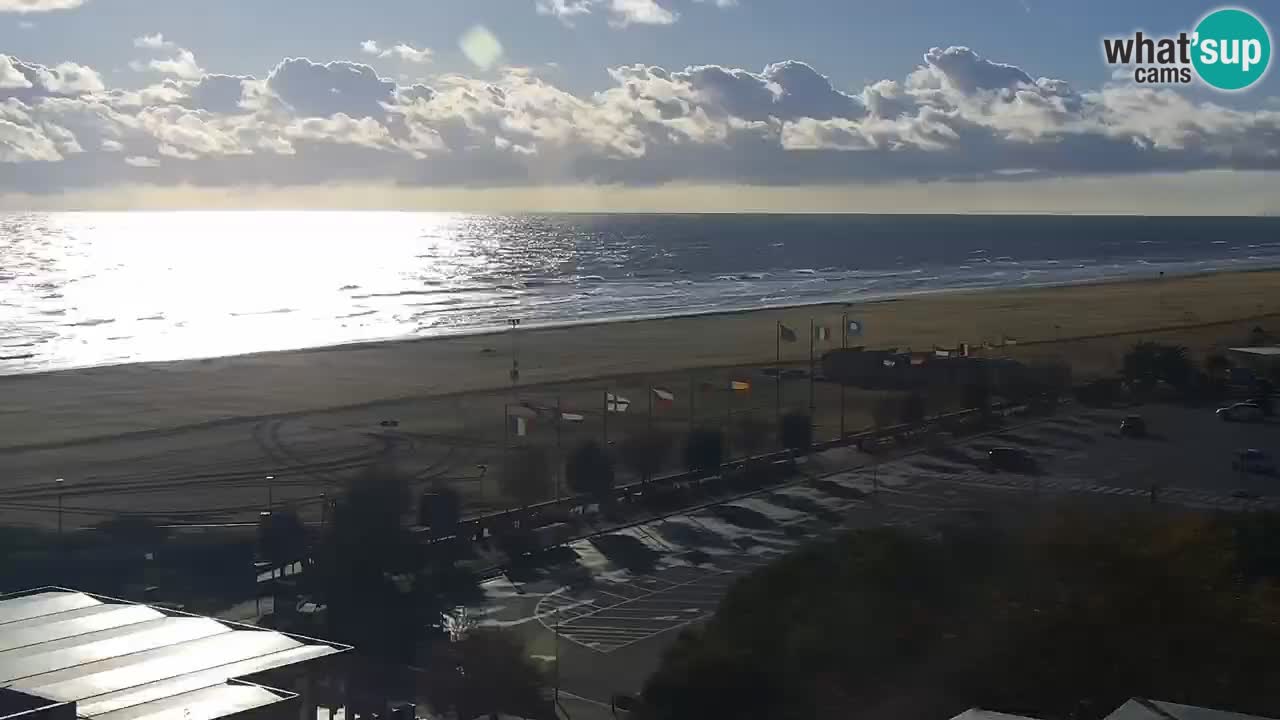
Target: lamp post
(271,481)
(59,483)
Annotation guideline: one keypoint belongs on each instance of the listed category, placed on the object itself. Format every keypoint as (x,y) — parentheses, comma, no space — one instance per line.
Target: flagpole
(559,448)
(604,426)
(506,424)
(844,345)
(650,394)
(777,375)
(811,340)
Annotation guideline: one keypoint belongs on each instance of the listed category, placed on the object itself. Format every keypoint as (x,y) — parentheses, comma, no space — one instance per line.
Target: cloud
(720,3)
(622,13)
(10,77)
(153,42)
(183,65)
(322,89)
(36,6)
(640,12)
(956,116)
(400,51)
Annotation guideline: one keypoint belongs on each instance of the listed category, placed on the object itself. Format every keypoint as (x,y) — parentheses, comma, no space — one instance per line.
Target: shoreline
(1085,324)
(483,332)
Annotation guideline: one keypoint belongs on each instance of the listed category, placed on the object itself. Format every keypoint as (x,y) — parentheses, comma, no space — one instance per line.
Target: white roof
(1266,351)
(1139,709)
(121,661)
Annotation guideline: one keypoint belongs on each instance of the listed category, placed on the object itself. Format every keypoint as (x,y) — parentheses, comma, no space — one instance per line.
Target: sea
(88,289)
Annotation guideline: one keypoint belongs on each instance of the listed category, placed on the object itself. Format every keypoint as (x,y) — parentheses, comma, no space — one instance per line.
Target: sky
(716,105)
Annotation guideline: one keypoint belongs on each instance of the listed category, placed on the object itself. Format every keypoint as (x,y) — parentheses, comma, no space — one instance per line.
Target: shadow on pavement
(743,517)
(806,505)
(835,489)
(691,536)
(627,552)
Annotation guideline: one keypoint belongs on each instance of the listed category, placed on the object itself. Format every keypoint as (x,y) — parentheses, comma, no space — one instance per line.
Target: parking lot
(609,606)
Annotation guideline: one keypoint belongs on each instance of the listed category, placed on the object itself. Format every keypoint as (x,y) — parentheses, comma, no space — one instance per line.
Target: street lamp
(58,482)
(271,479)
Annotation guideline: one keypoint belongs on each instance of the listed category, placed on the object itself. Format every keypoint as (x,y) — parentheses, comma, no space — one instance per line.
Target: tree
(525,475)
(589,471)
(1217,365)
(1263,389)
(485,671)
(1064,618)
(913,410)
(796,432)
(704,450)
(282,537)
(1148,363)
(752,434)
(365,570)
(645,453)
(884,412)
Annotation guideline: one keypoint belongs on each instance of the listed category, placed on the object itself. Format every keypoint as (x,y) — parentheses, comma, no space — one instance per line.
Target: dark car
(1011,459)
(1133,426)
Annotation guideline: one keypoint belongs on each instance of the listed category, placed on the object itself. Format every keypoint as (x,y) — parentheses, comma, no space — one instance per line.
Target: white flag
(616,403)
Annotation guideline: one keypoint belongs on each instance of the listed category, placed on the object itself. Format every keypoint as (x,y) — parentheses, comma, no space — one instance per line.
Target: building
(1135,709)
(1263,359)
(66,654)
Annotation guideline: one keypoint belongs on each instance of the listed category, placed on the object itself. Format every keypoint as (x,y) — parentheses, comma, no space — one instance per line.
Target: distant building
(1135,709)
(1262,359)
(67,655)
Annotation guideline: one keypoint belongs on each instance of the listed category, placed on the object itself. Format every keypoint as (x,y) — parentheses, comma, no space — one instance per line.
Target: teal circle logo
(1232,49)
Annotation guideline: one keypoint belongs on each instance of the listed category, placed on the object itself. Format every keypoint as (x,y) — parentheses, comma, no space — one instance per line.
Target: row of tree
(590,469)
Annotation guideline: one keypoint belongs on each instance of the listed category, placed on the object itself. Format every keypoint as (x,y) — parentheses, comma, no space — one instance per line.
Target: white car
(1253,461)
(1241,412)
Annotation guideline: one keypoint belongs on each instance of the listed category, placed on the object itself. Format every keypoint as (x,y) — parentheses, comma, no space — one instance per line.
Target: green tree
(645,453)
(913,409)
(796,432)
(589,471)
(751,434)
(282,537)
(1217,365)
(884,411)
(1064,618)
(704,450)
(525,476)
(485,672)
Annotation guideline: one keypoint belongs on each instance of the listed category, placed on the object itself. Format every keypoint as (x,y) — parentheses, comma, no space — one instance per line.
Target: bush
(704,451)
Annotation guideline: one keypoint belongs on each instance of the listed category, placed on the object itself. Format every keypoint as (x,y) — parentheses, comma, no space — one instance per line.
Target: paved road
(609,606)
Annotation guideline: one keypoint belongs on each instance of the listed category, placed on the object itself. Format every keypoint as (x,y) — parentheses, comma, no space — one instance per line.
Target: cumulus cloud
(321,89)
(956,115)
(153,42)
(36,6)
(622,13)
(182,65)
(400,51)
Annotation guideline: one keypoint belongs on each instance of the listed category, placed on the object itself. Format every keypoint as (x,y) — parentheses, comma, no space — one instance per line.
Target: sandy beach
(195,439)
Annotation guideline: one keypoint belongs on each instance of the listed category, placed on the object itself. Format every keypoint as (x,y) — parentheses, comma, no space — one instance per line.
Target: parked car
(1241,412)
(1253,461)
(1133,426)
(1011,459)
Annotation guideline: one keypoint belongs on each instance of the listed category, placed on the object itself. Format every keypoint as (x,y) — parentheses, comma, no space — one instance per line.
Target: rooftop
(1263,350)
(122,661)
